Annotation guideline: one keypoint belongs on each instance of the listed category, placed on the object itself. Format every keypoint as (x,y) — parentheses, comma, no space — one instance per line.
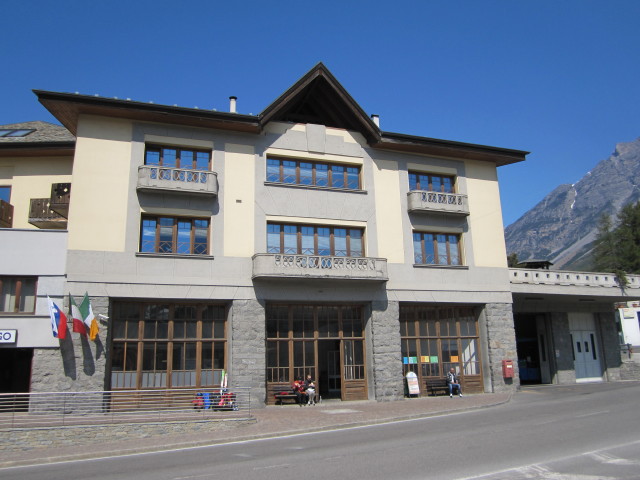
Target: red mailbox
(507,368)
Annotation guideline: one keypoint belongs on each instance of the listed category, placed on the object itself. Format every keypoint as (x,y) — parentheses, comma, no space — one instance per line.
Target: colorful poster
(412,383)
(455,358)
(434,359)
(405,360)
(413,360)
(424,359)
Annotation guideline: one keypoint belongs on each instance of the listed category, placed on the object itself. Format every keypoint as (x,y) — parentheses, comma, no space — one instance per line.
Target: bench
(282,396)
(435,385)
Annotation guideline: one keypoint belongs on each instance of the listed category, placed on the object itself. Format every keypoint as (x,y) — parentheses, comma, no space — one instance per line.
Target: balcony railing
(154,178)
(42,216)
(60,198)
(558,277)
(425,201)
(270,265)
(6,214)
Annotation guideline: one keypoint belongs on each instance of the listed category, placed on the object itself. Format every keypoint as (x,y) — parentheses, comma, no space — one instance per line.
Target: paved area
(268,422)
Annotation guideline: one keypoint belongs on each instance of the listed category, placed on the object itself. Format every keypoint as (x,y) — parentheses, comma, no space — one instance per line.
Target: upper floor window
(306,172)
(5,193)
(174,157)
(436,248)
(314,240)
(433,183)
(186,236)
(17,294)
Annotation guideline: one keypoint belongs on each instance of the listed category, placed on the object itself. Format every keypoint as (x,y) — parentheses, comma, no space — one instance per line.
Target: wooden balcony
(421,201)
(152,178)
(60,198)
(42,216)
(6,214)
(270,265)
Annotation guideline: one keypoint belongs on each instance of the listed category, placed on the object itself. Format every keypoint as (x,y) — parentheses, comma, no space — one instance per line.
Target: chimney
(232,104)
(376,119)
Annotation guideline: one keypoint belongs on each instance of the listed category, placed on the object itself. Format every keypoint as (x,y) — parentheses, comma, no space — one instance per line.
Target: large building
(301,240)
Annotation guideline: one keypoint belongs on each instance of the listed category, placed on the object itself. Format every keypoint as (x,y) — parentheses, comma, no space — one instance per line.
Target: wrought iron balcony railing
(60,198)
(277,265)
(42,216)
(426,201)
(6,214)
(154,177)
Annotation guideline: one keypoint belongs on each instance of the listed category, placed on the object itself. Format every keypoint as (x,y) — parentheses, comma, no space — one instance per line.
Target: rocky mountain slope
(562,227)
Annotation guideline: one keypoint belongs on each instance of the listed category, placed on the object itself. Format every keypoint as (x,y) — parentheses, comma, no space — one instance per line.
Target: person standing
(453,380)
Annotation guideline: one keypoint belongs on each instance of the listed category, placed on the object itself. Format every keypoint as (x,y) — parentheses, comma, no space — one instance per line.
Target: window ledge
(314,187)
(174,255)
(449,267)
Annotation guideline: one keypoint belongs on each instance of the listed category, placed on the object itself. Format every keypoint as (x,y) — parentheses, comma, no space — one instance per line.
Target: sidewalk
(271,421)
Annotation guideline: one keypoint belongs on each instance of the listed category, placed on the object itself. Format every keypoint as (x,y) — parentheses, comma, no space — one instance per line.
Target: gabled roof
(316,98)
(319,98)
(45,139)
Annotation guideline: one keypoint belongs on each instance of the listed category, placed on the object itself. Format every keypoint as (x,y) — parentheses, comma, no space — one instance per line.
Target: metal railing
(58,409)
(439,201)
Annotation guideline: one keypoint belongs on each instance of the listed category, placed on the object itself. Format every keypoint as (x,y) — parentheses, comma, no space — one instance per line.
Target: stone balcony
(270,265)
(153,178)
(421,201)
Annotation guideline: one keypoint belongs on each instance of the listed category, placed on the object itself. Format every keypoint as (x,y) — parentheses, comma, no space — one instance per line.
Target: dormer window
(15,132)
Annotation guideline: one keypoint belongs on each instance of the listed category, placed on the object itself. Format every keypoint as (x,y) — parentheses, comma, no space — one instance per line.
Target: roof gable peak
(319,98)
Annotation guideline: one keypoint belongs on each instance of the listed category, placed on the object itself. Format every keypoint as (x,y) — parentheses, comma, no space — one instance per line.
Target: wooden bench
(282,396)
(435,385)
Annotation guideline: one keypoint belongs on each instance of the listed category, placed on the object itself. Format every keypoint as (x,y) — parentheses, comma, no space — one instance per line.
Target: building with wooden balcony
(302,240)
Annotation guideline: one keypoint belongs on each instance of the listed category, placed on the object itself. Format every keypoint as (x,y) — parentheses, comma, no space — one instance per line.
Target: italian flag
(83,318)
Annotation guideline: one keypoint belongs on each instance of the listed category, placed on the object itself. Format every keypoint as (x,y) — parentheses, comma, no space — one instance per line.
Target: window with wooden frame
(176,235)
(431,248)
(432,182)
(312,173)
(314,240)
(18,294)
(167,345)
(435,339)
(178,157)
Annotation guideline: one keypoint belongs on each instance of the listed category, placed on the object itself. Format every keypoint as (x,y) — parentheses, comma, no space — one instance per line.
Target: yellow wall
(239,200)
(32,177)
(386,181)
(100,185)
(485,219)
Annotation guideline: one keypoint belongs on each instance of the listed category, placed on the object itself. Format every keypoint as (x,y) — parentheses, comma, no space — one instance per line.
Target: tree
(618,250)
(512,260)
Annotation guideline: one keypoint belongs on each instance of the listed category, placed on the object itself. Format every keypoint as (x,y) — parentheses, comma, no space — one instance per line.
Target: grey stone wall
(610,345)
(248,350)
(30,439)
(79,364)
(501,341)
(562,349)
(387,361)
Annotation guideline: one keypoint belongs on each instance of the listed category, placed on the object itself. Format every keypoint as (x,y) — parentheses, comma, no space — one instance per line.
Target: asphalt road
(577,432)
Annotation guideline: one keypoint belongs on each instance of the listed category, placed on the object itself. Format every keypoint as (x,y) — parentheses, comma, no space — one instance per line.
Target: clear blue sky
(558,78)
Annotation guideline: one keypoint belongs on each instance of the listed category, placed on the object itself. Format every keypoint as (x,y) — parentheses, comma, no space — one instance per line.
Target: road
(577,432)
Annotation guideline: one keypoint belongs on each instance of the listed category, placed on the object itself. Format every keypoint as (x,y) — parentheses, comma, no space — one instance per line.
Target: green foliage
(617,250)
(512,260)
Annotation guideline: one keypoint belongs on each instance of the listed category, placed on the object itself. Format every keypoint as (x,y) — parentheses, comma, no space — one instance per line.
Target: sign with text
(8,336)
(412,384)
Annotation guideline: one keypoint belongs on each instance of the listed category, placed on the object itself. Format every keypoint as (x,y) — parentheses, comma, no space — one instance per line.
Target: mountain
(562,227)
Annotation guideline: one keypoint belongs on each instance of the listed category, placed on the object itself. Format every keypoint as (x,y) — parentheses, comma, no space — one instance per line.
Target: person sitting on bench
(453,380)
(298,389)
